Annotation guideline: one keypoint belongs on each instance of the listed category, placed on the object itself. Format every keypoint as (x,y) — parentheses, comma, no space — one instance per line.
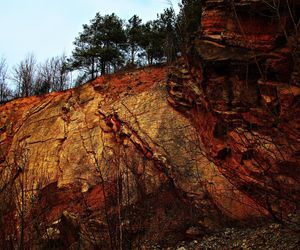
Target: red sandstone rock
(112,162)
(247,108)
(107,160)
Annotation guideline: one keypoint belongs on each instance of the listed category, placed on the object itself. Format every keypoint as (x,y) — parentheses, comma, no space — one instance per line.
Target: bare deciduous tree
(5,92)
(23,75)
(52,75)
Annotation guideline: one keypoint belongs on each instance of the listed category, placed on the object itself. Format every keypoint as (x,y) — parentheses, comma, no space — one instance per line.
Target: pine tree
(151,42)
(188,20)
(133,32)
(100,46)
(168,28)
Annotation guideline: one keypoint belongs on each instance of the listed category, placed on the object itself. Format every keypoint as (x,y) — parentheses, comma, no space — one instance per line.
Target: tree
(62,73)
(189,19)
(158,38)
(44,79)
(84,56)
(151,42)
(99,46)
(24,75)
(5,92)
(167,21)
(52,75)
(133,32)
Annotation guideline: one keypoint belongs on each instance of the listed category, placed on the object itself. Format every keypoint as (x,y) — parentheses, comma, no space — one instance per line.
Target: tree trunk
(103,68)
(132,54)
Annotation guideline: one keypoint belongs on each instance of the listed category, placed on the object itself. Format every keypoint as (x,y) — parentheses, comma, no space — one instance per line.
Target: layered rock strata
(151,156)
(239,85)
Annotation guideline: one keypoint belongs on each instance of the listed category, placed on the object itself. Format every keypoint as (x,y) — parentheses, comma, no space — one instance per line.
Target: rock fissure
(121,129)
(133,155)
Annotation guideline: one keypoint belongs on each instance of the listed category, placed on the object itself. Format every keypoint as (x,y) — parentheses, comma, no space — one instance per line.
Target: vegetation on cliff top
(106,45)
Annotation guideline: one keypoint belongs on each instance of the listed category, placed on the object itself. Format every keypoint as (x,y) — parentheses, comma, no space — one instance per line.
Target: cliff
(160,154)
(239,86)
(107,160)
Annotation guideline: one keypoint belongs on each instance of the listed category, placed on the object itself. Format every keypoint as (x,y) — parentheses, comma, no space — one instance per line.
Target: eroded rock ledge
(239,85)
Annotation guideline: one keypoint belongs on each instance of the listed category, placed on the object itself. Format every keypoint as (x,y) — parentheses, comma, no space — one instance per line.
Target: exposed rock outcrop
(239,86)
(151,156)
(110,162)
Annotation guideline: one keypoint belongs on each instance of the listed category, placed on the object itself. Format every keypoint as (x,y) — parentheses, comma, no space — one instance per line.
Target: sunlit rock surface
(112,159)
(161,154)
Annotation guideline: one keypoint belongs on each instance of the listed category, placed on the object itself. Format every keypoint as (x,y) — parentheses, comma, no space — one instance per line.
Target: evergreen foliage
(105,45)
(99,47)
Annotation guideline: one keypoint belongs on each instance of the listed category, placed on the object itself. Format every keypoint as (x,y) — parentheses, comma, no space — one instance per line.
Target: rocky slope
(271,236)
(113,161)
(160,155)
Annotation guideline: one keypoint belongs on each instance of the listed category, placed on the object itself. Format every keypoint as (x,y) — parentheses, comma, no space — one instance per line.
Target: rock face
(159,154)
(109,163)
(239,86)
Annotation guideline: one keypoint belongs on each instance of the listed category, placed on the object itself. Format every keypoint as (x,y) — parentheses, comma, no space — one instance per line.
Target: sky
(47,28)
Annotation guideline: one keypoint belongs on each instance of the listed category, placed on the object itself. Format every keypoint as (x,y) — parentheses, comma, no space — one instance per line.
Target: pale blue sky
(47,28)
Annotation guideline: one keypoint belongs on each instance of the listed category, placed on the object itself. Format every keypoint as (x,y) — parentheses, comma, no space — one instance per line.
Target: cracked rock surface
(238,85)
(112,159)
